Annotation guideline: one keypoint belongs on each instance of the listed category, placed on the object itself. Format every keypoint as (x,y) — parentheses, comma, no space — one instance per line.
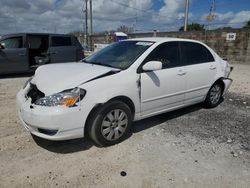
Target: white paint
(152,66)
(161,90)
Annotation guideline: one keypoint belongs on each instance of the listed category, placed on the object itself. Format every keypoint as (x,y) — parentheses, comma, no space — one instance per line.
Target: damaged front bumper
(52,123)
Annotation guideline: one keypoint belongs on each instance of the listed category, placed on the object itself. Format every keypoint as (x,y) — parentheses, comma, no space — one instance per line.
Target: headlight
(68,98)
(27,82)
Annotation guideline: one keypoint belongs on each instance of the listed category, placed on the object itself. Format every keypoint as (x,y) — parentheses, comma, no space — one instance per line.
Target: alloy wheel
(114,124)
(215,94)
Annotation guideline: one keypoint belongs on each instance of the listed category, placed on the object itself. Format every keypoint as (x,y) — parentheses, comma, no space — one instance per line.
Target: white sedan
(124,82)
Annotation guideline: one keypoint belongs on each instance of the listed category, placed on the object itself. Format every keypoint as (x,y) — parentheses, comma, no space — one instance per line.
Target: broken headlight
(67,98)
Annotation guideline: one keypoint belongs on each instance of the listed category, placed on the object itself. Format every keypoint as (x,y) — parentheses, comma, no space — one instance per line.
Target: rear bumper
(52,123)
(227,83)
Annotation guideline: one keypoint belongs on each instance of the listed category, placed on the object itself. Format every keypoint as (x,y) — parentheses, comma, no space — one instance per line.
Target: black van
(24,52)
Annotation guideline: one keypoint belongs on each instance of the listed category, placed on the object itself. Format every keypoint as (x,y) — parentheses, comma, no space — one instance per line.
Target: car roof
(162,39)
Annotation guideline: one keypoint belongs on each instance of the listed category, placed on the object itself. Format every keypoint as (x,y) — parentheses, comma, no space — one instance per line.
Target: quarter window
(167,53)
(194,53)
(61,41)
(15,42)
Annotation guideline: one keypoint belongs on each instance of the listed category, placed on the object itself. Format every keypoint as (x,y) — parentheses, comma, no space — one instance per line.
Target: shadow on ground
(156,120)
(6,76)
(76,145)
(64,147)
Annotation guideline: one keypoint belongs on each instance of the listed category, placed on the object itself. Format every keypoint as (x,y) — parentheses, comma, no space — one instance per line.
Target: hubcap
(114,124)
(215,94)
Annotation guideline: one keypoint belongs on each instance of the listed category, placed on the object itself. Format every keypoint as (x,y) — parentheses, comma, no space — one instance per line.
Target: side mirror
(152,66)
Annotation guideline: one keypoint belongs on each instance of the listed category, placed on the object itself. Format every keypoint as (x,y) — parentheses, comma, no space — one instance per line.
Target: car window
(195,53)
(120,54)
(61,41)
(34,42)
(167,53)
(14,42)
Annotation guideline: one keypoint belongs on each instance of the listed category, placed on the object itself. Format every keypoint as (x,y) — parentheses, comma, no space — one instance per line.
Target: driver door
(163,89)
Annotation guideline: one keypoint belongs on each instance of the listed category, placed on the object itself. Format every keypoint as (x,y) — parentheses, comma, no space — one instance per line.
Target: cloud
(170,12)
(240,17)
(66,16)
(222,17)
(228,19)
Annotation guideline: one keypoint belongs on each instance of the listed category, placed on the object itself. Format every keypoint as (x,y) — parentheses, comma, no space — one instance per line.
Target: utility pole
(90,25)
(186,15)
(91,18)
(86,22)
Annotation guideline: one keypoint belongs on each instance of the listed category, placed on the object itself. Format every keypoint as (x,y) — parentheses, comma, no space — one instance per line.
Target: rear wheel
(214,95)
(110,123)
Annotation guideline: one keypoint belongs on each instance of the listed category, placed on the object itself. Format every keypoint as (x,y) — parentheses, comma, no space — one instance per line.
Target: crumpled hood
(54,78)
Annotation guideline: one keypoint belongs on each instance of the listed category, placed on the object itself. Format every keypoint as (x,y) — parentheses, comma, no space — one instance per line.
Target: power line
(142,10)
(151,12)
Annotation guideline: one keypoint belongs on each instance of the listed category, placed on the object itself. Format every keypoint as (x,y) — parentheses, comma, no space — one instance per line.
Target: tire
(110,123)
(214,95)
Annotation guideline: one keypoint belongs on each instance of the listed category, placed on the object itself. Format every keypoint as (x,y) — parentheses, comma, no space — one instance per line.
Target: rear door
(201,70)
(14,57)
(163,89)
(61,49)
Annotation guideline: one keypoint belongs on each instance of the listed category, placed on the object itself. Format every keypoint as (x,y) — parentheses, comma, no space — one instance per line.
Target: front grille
(34,93)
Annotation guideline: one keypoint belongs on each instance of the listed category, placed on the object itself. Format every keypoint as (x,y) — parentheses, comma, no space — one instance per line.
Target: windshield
(119,55)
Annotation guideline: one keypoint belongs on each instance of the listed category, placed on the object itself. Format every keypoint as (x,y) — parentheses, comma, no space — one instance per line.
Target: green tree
(125,29)
(193,27)
(247,26)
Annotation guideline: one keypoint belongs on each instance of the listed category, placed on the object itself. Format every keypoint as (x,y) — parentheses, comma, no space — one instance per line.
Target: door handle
(212,67)
(22,54)
(181,73)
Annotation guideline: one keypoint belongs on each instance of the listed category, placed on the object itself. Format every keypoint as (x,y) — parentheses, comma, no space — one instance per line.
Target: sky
(64,16)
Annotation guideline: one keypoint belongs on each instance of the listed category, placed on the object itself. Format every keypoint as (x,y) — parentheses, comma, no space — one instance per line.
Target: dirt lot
(193,147)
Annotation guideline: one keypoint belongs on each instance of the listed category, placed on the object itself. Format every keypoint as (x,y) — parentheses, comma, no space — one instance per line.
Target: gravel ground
(192,147)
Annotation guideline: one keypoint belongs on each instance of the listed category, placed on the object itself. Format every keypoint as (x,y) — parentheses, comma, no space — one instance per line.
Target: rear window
(61,41)
(195,53)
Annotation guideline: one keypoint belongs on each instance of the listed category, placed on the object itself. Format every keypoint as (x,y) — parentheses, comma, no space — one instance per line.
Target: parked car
(124,82)
(26,51)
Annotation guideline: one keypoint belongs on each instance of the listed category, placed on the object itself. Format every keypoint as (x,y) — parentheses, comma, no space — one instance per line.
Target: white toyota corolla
(124,82)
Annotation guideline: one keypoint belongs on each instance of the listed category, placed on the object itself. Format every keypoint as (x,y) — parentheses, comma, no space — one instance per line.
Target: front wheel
(110,123)
(214,95)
